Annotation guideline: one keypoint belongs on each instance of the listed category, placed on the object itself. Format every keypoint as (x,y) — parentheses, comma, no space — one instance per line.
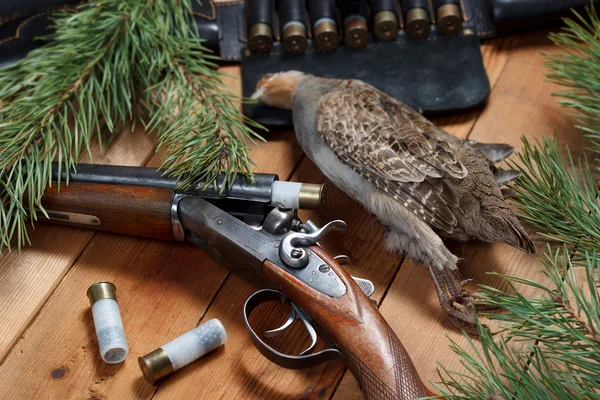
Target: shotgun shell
(449,21)
(294,37)
(108,323)
(418,23)
(326,35)
(260,40)
(297,195)
(180,352)
(386,25)
(356,33)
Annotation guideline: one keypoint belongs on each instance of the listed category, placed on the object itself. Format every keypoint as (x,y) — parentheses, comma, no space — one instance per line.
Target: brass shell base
(260,40)
(101,290)
(326,36)
(155,365)
(418,24)
(311,196)
(294,39)
(386,25)
(449,21)
(356,34)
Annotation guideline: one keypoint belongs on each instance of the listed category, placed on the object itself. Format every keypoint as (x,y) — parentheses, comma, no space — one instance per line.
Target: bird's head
(277,90)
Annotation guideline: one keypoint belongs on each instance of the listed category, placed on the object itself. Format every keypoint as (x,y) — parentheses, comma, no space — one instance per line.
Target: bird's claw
(478,302)
(461,313)
(457,303)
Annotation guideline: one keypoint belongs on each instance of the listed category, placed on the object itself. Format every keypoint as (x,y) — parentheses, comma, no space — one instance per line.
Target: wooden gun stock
(372,350)
(130,210)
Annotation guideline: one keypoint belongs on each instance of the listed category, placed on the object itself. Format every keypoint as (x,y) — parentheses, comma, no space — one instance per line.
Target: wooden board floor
(47,343)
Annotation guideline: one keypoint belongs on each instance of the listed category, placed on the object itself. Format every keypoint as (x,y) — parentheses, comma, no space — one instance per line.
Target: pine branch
(104,64)
(578,70)
(550,347)
(558,197)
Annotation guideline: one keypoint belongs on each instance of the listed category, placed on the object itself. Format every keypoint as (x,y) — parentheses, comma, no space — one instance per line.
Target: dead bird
(421,182)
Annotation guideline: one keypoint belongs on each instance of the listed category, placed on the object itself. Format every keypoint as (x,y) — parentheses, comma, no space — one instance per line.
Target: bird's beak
(258,94)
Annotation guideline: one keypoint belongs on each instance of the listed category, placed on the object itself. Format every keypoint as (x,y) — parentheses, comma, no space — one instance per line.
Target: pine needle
(111,62)
(558,197)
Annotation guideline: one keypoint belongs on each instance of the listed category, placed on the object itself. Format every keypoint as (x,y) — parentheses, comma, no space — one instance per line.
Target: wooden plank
(157,312)
(57,357)
(39,268)
(519,105)
(242,372)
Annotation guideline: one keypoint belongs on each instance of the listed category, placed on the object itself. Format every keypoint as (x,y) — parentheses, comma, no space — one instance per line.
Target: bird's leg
(456,303)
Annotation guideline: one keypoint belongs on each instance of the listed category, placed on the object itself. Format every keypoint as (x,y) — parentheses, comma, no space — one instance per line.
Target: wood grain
(371,349)
(128,210)
(37,270)
(58,358)
(362,243)
(169,287)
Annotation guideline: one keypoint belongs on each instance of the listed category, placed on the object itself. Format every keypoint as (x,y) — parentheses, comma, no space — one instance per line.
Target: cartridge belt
(424,52)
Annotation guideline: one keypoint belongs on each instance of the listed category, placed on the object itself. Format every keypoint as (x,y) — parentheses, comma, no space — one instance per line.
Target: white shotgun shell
(180,352)
(297,195)
(107,320)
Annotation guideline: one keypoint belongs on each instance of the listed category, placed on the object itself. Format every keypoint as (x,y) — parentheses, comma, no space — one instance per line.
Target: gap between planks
(282,166)
(59,279)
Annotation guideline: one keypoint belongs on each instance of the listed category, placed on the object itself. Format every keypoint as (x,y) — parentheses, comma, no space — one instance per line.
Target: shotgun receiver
(280,247)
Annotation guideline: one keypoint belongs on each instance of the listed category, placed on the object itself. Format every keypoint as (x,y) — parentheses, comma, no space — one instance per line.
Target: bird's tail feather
(524,242)
(495,152)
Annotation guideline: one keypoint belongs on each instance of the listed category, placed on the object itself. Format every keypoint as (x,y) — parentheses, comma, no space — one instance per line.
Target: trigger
(278,331)
(313,336)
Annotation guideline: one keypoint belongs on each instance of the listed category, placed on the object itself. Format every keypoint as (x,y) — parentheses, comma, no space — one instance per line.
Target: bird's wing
(394,148)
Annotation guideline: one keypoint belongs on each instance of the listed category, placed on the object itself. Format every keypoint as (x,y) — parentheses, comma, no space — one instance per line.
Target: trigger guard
(282,359)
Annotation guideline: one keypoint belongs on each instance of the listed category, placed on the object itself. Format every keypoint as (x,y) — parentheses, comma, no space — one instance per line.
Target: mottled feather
(394,148)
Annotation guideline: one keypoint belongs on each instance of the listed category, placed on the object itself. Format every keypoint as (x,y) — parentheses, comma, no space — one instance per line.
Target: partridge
(422,183)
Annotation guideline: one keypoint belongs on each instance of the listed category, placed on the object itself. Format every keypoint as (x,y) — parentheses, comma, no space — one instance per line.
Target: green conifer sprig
(115,61)
(550,348)
(578,70)
(558,197)
(550,344)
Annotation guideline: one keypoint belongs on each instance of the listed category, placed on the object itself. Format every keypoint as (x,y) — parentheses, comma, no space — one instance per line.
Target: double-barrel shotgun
(252,227)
